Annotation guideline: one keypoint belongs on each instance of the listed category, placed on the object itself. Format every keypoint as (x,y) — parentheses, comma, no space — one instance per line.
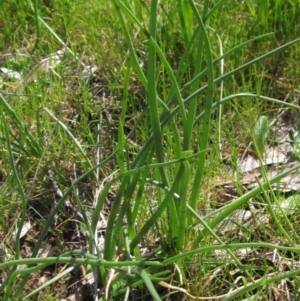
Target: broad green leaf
(261,130)
(296,144)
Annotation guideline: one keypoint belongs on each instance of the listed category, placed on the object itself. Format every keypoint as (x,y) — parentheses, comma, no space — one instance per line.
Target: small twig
(110,280)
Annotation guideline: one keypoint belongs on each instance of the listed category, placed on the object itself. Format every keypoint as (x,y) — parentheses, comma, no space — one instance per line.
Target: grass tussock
(149,150)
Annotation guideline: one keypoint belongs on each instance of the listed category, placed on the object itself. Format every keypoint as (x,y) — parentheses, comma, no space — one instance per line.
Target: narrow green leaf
(147,281)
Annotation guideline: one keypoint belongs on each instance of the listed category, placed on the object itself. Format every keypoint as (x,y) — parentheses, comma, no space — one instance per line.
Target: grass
(116,169)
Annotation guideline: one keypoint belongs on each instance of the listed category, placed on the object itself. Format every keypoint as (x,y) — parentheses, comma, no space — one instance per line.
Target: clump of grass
(158,182)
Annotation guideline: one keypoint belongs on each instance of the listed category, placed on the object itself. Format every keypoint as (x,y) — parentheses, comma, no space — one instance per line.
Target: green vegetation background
(162,69)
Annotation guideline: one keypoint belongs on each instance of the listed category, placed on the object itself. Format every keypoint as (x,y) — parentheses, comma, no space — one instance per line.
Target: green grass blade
(134,60)
(236,204)
(217,6)
(20,125)
(203,140)
(231,246)
(75,141)
(10,276)
(37,26)
(186,19)
(157,214)
(49,282)
(147,281)
(153,104)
